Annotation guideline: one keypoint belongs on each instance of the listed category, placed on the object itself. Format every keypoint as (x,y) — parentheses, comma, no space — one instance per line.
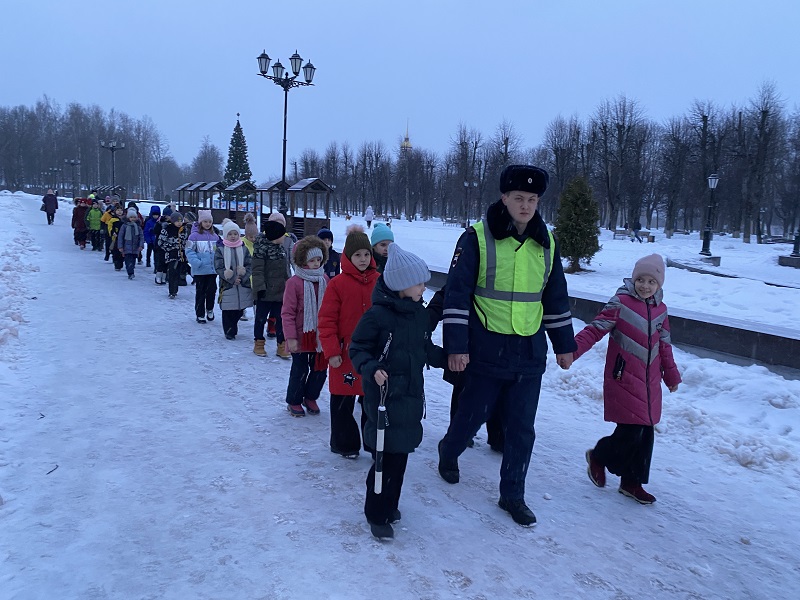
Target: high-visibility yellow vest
(511,279)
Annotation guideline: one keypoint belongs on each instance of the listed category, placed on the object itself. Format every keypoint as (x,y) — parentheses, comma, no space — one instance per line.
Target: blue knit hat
(381,233)
(325,233)
(404,269)
(155,210)
(167,210)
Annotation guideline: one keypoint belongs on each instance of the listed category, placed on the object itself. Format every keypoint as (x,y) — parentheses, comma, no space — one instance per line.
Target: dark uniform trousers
(378,508)
(519,400)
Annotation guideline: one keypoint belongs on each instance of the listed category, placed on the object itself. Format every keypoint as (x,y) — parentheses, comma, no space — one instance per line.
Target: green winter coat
(93,219)
(409,350)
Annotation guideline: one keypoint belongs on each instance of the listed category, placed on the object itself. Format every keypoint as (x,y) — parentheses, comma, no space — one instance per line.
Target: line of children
(269,285)
(304,294)
(201,246)
(233,264)
(639,356)
(130,241)
(390,347)
(347,298)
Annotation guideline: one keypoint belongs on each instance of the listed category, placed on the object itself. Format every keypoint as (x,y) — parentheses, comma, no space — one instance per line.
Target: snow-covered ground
(144,456)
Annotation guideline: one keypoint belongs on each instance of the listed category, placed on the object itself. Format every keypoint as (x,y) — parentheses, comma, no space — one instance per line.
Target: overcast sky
(191,64)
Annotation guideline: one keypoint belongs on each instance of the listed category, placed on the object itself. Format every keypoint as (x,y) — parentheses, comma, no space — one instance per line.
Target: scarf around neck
(312,301)
(227,252)
(131,231)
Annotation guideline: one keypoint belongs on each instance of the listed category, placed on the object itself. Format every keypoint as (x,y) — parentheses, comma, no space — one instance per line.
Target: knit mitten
(240,271)
(228,274)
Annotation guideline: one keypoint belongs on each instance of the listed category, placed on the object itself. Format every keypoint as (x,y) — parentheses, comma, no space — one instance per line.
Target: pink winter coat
(292,311)
(639,355)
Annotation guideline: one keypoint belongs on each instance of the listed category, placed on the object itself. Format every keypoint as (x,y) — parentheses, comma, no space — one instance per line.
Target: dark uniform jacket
(402,326)
(333,267)
(496,354)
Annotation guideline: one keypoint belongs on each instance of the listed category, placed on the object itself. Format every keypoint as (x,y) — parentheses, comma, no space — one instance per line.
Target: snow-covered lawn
(144,456)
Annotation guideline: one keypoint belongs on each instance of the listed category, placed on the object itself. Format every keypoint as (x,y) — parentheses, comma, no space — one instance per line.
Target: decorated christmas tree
(238,167)
(576,225)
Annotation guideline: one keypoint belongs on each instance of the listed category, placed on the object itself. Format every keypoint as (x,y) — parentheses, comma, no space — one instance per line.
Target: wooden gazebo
(309,206)
(231,202)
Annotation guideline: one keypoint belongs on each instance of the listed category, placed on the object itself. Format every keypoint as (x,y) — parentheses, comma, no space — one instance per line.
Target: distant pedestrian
(637,227)
(50,206)
(639,356)
(369,216)
(130,241)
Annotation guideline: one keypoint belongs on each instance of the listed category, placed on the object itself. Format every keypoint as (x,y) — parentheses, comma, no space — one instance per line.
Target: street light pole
(73,162)
(113,146)
(280,77)
(713,180)
(796,250)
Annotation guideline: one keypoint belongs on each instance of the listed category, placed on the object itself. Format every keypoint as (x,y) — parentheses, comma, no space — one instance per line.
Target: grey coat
(234,297)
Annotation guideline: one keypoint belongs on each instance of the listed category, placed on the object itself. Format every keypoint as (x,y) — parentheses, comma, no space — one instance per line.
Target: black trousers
(205,290)
(345,432)
(150,248)
(230,321)
(50,218)
(627,452)
(173,276)
(494,425)
(130,263)
(108,244)
(97,239)
(159,263)
(379,507)
(264,311)
(304,381)
(118,258)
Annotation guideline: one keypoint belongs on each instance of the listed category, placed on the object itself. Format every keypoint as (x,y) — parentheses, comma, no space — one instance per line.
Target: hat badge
(530,179)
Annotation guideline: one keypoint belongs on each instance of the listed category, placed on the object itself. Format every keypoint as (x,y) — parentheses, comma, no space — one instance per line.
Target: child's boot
(282,351)
(296,410)
(271,328)
(311,406)
(635,491)
(258,348)
(596,471)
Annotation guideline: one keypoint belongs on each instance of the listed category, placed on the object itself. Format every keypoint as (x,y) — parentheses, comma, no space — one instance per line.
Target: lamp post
(713,180)
(796,250)
(74,163)
(467,185)
(113,146)
(280,77)
(54,171)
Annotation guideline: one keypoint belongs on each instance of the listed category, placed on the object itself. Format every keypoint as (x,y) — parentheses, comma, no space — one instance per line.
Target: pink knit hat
(204,215)
(276,216)
(652,265)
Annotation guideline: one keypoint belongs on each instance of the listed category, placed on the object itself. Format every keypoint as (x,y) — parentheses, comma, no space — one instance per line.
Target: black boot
(519,511)
(381,531)
(448,469)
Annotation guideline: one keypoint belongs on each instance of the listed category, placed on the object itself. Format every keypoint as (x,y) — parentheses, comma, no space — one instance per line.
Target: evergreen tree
(576,225)
(238,167)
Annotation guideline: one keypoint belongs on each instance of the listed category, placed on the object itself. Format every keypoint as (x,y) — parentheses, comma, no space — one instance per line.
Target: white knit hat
(228,227)
(132,213)
(404,269)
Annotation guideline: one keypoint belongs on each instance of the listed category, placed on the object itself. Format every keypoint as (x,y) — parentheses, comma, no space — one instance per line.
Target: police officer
(505,288)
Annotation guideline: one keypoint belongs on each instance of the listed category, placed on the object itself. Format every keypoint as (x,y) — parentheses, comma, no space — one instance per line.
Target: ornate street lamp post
(113,147)
(796,250)
(713,180)
(281,78)
(74,163)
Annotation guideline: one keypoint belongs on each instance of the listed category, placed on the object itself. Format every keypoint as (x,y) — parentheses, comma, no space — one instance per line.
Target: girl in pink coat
(639,356)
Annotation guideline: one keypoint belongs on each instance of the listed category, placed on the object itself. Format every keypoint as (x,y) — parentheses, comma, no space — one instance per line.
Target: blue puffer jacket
(149,225)
(200,248)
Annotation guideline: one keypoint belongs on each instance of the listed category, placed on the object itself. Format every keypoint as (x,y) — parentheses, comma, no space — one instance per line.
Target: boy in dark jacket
(390,347)
(269,283)
(334,264)
(149,231)
(172,242)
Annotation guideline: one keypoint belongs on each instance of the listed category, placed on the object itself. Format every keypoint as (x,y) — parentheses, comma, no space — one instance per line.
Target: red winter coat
(79,218)
(347,298)
(639,355)
(292,312)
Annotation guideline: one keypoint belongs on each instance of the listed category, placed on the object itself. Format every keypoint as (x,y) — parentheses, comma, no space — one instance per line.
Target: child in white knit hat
(233,264)
(390,347)
(639,356)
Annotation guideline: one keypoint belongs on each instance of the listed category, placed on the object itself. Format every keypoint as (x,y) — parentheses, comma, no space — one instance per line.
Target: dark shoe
(131,276)
(637,492)
(230,336)
(497,448)
(596,471)
(147,265)
(382,532)
(396,516)
(295,410)
(201,320)
(448,469)
(519,511)
(139,261)
(173,296)
(350,454)
(311,406)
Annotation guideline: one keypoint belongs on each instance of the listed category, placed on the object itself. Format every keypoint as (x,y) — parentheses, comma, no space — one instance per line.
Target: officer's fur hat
(525,178)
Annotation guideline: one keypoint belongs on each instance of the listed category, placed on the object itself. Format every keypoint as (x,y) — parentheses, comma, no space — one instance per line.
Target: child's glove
(227,274)
(241,271)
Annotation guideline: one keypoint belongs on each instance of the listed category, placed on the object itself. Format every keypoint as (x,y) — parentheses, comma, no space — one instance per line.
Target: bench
(627,233)
(451,221)
(622,233)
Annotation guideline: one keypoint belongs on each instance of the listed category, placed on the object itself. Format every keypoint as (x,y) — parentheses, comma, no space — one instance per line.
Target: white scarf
(227,254)
(312,301)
